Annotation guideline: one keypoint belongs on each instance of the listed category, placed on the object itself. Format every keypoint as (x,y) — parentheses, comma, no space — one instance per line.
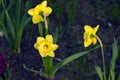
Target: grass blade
(99,72)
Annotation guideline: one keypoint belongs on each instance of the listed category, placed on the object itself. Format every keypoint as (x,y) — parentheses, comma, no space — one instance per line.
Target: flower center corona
(45,46)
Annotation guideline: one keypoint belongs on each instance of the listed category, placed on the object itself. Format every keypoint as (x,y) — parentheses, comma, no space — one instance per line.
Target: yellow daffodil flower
(45,46)
(90,35)
(39,12)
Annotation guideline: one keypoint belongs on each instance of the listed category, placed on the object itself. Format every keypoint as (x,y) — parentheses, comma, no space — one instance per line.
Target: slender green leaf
(7,74)
(5,33)
(113,60)
(118,77)
(35,71)
(56,35)
(18,14)
(99,72)
(9,21)
(68,60)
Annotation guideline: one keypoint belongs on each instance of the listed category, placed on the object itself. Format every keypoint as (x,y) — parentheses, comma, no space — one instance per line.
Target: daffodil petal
(44,3)
(38,9)
(52,54)
(36,45)
(36,19)
(40,39)
(31,12)
(47,11)
(54,47)
(49,38)
(88,28)
(87,43)
(95,29)
(94,40)
(41,53)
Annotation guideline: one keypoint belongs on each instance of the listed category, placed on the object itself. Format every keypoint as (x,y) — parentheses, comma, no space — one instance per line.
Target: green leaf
(1,78)
(113,60)
(68,60)
(48,64)
(56,36)
(118,77)
(99,72)
(40,29)
(18,13)
(9,22)
(35,71)
(7,73)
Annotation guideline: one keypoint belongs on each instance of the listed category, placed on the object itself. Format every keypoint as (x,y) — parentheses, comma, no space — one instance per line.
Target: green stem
(46,25)
(103,61)
(103,58)
(48,64)
(40,28)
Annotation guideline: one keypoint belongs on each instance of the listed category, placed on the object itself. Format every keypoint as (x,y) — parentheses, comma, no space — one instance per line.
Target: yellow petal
(49,38)
(47,11)
(44,4)
(40,7)
(54,47)
(51,54)
(36,19)
(95,29)
(36,46)
(87,43)
(87,40)
(41,53)
(40,39)
(94,40)
(88,29)
(31,11)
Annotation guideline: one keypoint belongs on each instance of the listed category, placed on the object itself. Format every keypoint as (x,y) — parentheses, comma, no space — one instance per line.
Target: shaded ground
(70,42)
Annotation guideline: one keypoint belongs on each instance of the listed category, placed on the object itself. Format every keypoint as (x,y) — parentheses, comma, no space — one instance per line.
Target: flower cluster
(45,45)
